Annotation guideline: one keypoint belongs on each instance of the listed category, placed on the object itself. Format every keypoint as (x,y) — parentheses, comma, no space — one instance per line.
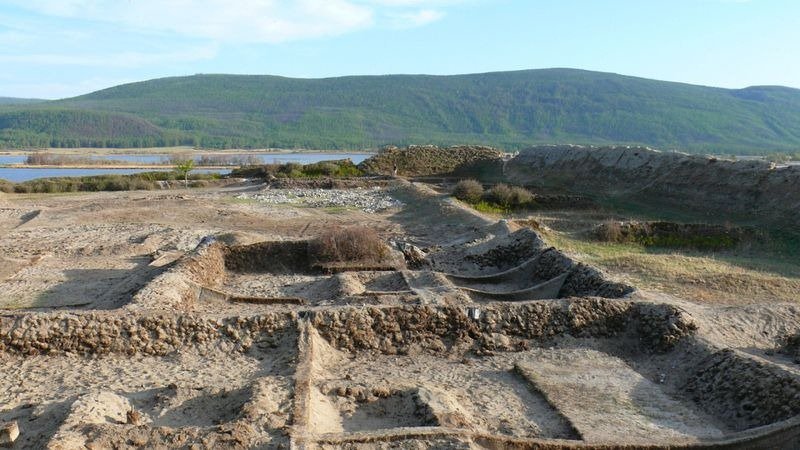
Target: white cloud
(117,60)
(415,19)
(221,20)
(244,21)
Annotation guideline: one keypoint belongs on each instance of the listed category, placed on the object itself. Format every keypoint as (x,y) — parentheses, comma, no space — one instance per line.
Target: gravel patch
(368,200)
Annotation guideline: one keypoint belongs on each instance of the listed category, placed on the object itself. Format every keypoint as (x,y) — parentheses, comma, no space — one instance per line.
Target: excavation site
(393,310)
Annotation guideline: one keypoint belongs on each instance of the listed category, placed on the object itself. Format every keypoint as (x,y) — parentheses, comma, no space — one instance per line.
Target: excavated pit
(494,340)
(507,266)
(281,257)
(555,369)
(365,410)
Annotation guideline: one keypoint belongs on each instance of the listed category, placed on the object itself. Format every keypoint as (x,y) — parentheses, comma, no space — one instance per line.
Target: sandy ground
(70,254)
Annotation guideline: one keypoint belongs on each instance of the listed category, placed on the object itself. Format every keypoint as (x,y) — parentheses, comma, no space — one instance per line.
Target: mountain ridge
(509,110)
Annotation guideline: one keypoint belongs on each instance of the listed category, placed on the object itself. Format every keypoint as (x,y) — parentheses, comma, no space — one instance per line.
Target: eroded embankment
(177,288)
(698,183)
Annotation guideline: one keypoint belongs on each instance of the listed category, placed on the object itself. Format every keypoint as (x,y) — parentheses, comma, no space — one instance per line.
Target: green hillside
(504,109)
(18,101)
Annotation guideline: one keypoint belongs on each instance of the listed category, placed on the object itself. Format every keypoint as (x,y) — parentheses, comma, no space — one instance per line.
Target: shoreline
(176,150)
(110,166)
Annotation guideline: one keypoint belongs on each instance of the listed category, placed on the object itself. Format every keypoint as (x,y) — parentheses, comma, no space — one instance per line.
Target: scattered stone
(368,200)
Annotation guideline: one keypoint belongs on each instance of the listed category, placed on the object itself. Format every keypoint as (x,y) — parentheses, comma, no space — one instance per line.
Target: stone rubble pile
(368,200)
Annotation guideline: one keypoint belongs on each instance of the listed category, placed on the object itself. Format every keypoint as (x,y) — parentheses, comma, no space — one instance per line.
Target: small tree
(183,168)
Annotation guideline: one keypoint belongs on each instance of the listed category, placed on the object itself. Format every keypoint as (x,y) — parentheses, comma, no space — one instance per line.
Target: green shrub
(6,186)
(334,169)
(470,191)
(139,181)
(291,170)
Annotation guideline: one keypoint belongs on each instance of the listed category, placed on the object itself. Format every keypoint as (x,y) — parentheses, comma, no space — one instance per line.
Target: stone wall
(402,330)
(743,391)
(152,334)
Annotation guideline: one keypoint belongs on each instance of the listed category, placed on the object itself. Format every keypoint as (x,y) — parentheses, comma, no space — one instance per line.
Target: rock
(414,256)
(9,433)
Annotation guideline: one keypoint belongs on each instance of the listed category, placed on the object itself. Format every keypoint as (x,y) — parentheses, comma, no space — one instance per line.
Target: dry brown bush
(469,191)
(501,194)
(610,231)
(348,244)
(520,196)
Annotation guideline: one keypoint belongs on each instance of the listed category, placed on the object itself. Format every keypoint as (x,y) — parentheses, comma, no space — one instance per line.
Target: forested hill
(18,101)
(509,110)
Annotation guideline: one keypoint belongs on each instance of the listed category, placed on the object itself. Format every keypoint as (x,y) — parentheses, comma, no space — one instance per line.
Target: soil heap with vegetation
(431,160)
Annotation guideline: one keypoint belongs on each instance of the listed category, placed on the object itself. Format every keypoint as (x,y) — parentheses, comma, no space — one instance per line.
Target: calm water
(12,159)
(266,158)
(18,175)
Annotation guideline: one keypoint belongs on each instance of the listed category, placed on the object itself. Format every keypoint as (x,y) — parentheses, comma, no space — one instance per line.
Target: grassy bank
(731,277)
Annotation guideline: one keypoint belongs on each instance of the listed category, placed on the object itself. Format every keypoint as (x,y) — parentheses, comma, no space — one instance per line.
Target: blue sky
(61,48)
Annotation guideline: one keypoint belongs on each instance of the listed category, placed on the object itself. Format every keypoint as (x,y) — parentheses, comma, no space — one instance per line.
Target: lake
(19,175)
(265,158)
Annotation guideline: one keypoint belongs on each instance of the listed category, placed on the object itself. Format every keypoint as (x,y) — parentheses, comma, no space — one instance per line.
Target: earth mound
(430,160)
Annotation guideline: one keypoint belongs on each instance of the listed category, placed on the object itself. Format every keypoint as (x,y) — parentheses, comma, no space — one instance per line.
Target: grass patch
(240,200)
(698,236)
(489,208)
(731,277)
(337,209)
